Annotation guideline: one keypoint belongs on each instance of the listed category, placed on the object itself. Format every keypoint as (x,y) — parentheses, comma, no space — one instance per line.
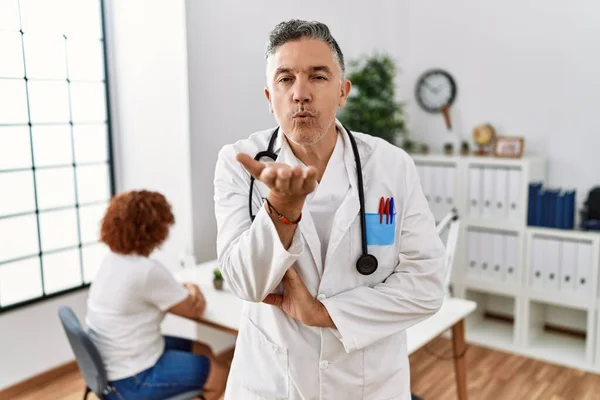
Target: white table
(223,312)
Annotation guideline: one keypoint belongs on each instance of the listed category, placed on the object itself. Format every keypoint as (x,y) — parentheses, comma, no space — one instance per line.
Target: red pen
(381,210)
(387,211)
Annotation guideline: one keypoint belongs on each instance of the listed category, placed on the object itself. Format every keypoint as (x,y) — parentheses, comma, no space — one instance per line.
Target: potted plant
(464,148)
(409,145)
(371,106)
(424,148)
(217,279)
(448,149)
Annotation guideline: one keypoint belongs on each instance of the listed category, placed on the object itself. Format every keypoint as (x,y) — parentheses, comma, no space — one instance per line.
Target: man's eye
(285,79)
(321,77)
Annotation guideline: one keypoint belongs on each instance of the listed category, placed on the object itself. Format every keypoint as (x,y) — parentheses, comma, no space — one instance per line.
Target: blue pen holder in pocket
(380,234)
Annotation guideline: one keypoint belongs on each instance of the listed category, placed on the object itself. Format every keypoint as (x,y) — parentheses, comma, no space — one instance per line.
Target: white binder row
(492,256)
(439,186)
(494,192)
(561,265)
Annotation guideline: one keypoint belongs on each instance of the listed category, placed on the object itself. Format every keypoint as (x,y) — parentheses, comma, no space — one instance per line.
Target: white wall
(528,67)
(32,339)
(226,44)
(150,108)
(151,139)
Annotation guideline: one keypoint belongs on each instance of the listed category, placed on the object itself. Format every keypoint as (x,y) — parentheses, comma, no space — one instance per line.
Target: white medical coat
(365,357)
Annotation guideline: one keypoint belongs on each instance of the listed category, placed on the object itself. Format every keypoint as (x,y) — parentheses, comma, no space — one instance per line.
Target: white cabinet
(537,288)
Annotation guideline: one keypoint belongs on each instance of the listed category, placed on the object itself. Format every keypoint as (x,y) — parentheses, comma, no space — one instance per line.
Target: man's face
(305,89)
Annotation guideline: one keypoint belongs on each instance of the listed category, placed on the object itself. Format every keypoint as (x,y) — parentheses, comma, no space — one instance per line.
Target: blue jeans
(177,371)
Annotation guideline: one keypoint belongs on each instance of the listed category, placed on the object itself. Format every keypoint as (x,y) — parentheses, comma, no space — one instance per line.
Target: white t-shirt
(126,305)
(329,195)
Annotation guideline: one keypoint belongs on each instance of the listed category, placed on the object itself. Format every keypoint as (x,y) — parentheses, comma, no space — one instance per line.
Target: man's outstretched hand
(288,184)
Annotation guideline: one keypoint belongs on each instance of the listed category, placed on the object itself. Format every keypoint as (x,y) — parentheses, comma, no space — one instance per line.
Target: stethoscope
(366,263)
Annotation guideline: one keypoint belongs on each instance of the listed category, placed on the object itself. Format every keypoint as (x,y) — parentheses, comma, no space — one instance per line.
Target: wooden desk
(223,312)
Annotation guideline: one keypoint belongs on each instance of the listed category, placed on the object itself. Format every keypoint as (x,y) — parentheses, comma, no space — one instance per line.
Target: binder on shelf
(538,247)
(550,207)
(499,206)
(498,259)
(546,205)
(539,206)
(569,210)
(551,259)
(568,266)
(559,212)
(534,190)
(474,249)
(475,192)
(514,205)
(551,212)
(584,268)
(512,257)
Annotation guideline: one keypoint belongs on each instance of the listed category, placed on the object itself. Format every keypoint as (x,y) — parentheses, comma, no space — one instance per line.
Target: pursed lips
(303,115)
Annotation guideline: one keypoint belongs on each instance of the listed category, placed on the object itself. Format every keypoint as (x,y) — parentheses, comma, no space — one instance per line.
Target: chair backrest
(86,354)
(450,222)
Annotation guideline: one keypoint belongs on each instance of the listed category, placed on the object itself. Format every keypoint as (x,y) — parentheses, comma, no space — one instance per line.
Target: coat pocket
(387,369)
(380,233)
(260,365)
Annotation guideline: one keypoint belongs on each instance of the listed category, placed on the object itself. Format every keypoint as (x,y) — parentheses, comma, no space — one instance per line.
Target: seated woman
(129,299)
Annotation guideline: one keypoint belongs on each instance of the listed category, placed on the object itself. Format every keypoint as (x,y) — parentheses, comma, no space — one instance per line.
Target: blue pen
(392,210)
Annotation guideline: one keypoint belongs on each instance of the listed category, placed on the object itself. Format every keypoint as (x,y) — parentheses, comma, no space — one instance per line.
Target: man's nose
(301,92)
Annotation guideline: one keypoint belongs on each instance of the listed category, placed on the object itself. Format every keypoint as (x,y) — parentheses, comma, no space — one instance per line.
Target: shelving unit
(493,322)
(560,334)
(528,303)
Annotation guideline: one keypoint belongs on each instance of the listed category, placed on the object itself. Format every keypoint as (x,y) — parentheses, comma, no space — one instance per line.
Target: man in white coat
(314,326)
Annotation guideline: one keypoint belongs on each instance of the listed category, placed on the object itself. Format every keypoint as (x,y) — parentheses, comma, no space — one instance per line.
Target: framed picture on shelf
(509,147)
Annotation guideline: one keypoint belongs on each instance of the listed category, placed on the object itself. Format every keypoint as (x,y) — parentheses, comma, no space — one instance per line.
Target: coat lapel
(350,207)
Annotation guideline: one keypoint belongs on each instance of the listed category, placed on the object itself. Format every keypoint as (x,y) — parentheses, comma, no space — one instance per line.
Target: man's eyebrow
(315,68)
(283,70)
(319,68)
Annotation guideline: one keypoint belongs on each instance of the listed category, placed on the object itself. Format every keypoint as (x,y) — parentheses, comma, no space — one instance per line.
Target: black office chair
(89,361)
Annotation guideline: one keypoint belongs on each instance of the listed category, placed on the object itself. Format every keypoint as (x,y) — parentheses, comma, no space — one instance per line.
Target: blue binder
(552,221)
(569,217)
(552,208)
(539,201)
(559,211)
(547,208)
(532,203)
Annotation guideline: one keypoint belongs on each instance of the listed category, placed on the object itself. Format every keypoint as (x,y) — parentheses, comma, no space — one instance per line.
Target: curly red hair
(136,222)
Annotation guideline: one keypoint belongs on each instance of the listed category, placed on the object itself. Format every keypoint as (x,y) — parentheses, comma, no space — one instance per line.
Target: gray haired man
(330,284)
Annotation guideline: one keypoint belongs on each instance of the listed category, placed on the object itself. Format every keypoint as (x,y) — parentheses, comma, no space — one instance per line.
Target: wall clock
(435,92)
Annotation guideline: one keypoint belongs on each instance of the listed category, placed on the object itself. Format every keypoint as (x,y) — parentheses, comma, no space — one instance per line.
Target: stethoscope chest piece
(366,264)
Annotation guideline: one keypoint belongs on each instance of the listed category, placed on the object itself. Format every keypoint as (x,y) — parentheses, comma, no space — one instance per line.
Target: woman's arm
(193,306)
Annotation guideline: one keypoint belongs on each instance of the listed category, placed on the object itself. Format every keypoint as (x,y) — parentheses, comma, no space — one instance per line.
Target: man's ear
(268,96)
(345,89)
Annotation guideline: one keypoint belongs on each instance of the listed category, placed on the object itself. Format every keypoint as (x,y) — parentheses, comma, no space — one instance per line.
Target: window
(56,174)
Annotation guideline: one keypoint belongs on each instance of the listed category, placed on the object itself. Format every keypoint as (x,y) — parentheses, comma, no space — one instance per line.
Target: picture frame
(509,146)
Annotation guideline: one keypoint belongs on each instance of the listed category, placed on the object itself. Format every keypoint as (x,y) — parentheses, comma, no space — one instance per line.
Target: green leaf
(372,107)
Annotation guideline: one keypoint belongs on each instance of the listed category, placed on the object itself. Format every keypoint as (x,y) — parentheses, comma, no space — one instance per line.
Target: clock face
(435,90)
